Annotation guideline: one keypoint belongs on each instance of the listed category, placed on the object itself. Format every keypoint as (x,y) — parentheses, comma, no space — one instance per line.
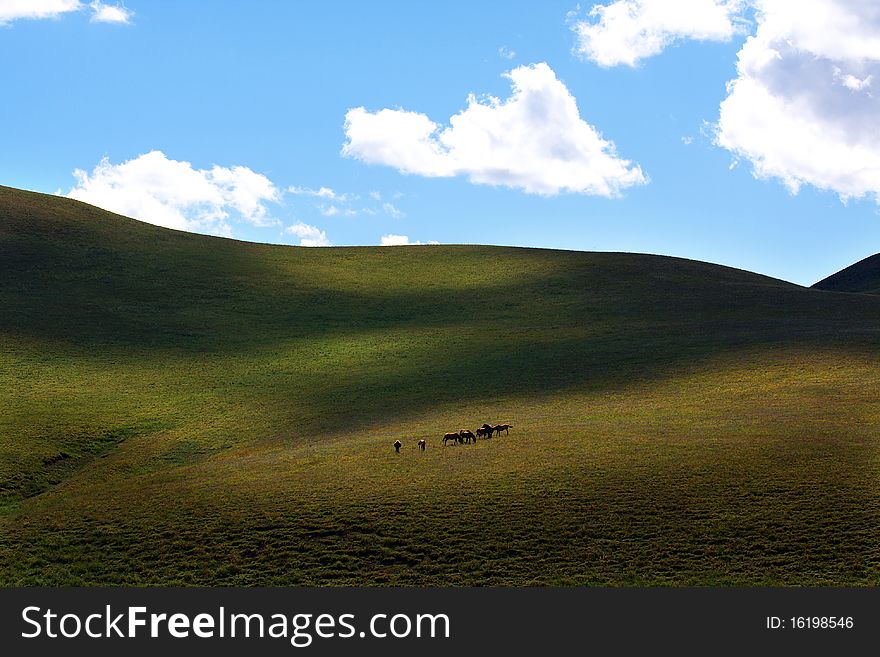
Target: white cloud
(627,31)
(802,108)
(172,193)
(334,210)
(392,211)
(852,82)
(11,10)
(505,53)
(396,240)
(309,235)
(535,141)
(340,205)
(104,13)
(376,196)
(400,240)
(322,192)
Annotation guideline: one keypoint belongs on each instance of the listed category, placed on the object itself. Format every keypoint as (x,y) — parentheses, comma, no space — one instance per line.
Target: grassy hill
(181,409)
(863,276)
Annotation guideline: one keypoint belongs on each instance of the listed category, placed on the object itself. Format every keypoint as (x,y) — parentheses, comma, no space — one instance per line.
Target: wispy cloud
(335,210)
(391,210)
(322,192)
(13,10)
(331,203)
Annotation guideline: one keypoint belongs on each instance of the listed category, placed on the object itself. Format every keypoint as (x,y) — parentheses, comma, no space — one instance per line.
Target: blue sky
(262,89)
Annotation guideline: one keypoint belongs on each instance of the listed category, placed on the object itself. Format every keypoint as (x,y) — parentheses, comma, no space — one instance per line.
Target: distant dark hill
(864,277)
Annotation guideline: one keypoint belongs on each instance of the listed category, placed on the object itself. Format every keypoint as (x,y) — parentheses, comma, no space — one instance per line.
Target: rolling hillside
(181,409)
(863,276)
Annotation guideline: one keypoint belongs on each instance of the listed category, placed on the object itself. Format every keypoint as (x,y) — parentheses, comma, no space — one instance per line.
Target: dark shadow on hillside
(505,369)
(229,298)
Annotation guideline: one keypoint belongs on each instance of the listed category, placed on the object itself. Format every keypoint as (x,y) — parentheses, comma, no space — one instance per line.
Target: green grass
(179,409)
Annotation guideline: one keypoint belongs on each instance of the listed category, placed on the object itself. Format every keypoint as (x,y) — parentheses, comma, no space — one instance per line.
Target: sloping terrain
(181,409)
(863,276)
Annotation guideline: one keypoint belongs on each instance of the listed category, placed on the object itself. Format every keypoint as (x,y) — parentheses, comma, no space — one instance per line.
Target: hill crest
(862,277)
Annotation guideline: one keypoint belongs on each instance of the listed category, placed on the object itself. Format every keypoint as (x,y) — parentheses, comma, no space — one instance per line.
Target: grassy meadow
(181,409)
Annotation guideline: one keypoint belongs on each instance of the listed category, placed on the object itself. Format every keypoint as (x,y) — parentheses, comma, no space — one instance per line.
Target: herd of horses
(464,436)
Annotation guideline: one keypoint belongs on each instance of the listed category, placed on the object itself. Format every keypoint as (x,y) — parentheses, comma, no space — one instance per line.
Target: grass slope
(863,276)
(180,409)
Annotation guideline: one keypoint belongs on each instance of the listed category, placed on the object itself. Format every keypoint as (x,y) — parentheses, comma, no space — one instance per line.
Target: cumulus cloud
(309,235)
(803,108)
(535,140)
(171,193)
(104,13)
(628,31)
(11,10)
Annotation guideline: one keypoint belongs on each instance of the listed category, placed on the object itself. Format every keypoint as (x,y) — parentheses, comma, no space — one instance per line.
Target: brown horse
(423,444)
(397,445)
(488,429)
(467,436)
(503,427)
(454,437)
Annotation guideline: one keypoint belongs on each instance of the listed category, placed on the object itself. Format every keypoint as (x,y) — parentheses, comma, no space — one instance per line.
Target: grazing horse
(454,437)
(488,428)
(482,432)
(423,444)
(397,445)
(503,427)
(467,435)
